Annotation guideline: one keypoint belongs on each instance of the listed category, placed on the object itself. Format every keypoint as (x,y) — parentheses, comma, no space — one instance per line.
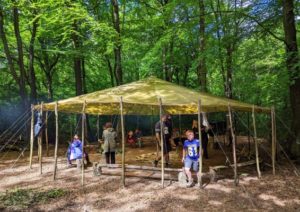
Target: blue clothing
(38,126)
(192,148)
(189,163)
(75,150)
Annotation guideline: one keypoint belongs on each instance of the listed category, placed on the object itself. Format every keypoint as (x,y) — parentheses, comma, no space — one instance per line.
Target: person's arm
(183,154)
(157,135)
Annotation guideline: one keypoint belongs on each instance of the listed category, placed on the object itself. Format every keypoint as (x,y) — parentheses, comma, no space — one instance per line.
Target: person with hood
(75,151)
(109,147)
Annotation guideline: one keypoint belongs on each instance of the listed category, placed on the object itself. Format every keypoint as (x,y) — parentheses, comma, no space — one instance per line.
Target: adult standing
(109,147)
(166,127)
(204,136)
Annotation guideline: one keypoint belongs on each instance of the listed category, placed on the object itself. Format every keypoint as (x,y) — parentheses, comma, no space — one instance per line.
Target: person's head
(169,117)
(195,124)
(76,137)
(108,125)
(164,117)
(190,134)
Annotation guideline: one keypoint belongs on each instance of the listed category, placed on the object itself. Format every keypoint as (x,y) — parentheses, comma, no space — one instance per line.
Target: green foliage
(25,198)
(259,75)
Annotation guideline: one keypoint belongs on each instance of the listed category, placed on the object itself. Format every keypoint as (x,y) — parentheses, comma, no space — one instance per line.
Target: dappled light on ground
(105,193)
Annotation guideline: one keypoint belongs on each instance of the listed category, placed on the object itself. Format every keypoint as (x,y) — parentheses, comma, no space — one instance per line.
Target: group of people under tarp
(190,143)
(108,142)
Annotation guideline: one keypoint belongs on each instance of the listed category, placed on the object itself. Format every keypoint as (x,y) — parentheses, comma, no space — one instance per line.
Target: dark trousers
(110,157)
(204,146)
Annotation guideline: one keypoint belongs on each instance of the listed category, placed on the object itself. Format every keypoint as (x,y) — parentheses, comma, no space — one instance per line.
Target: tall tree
(77,60)
(31,71)
(118,44)
(292,62)
(201,69)
(19,78)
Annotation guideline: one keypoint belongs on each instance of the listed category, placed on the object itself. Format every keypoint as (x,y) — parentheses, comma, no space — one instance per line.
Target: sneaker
(155,163)
(190,183)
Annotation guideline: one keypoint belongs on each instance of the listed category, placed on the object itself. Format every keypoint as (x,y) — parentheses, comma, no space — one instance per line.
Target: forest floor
(22,188)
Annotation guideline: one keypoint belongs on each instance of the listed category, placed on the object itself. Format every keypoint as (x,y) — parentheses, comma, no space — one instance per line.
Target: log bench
(214,169)
(97,168)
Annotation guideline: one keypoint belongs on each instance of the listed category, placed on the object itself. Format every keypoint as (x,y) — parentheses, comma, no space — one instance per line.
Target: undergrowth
(24,198)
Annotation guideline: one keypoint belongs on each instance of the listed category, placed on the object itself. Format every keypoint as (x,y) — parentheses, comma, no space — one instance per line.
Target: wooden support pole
(46,134)
(98,130)
(256,144)
(56,140)
(151,120)
(40,150)
(31,136)
(83,123)
(249,143)
(180,128)
(162,145)
(200,145)
(273,138)
(233,146)
(123,141)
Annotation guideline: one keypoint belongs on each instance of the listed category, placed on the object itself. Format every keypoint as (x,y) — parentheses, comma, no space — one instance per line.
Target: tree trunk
(201,69)
(31,72)
(110,69)
(77,61)
(20,57)
(118,45)
(228,91)
(6,49)
(292,61)
(47,64)
(164,63)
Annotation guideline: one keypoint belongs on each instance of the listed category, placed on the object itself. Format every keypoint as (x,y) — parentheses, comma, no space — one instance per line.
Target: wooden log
(233,146)
(162,144)
(273,139)
(83,138)
(123,141)
(31,137)
(200,145)
(213,169)
(135,167)
(256,143)
(56,140)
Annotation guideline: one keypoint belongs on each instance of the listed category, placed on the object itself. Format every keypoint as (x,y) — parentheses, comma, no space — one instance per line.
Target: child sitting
(130,139)
(190,155)
(138,137)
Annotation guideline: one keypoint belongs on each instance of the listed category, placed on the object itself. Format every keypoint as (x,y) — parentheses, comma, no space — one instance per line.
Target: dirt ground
(144,193)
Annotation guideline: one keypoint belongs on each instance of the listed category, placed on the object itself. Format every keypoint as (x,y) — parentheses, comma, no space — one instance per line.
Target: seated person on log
(138,137)
(190,156)
(75,151)
(131,140)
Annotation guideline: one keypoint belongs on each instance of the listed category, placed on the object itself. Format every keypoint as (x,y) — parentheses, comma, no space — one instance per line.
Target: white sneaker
(190,183)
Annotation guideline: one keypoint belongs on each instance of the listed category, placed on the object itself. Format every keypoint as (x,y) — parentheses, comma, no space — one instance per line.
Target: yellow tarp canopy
(142,98)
